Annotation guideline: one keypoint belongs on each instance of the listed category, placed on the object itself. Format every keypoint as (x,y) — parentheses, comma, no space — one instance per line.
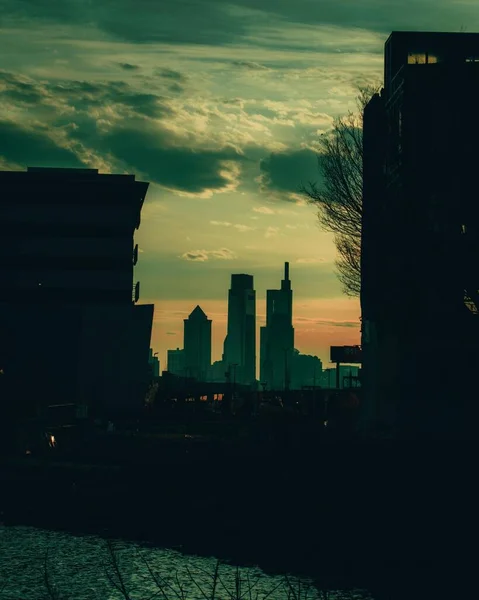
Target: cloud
(260,23)
(264,210)
(110,125)
(328,322)
(129,67)
(221,223)
(310,261)
(23,146)
(287,171)
(171,74)
(243,228)
(171,333)
(247,64)
(204,255)
(195,171)
(271,232)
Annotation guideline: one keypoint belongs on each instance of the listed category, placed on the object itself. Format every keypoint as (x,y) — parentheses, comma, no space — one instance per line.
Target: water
(36,564)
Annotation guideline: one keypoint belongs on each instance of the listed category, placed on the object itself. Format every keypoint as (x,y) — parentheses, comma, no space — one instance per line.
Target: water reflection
(33,561)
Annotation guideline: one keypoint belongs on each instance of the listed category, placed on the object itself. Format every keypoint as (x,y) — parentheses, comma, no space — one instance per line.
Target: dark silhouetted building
(420,237)
(240,343)
(197,345)
(277,337)
(217,372)
(306,370)
(66,288)
(176,362)
(154,363)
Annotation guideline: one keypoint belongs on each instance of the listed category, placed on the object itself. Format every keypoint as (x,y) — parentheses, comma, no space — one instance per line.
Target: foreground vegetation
(133,577)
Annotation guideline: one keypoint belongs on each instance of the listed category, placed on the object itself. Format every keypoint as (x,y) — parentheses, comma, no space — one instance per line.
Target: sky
(219,104)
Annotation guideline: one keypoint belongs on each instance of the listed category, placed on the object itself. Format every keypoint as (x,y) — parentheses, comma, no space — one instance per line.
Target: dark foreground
(398,521)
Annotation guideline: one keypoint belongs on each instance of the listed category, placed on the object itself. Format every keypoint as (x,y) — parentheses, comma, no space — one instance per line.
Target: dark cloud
(170,333)
(129,67)
(133,142)
(33,148)
(288,171)
(83,95)
(211,22)
(171,74)
(253,66)
(179,168)
(176,88)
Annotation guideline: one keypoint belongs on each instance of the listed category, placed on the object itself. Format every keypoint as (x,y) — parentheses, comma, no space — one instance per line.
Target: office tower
(197,345)
(176,362)
(420,236)
(277,337)
(240,343)
(66,288)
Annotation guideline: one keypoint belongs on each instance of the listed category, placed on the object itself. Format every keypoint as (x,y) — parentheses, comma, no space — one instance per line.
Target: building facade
(67,291)
(240,344)
(154,363)
(176,362)
(197,345)
(306,371)
(277,337)
(420,236)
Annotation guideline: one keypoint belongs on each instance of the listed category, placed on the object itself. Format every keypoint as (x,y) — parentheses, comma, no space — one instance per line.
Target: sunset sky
(219,104)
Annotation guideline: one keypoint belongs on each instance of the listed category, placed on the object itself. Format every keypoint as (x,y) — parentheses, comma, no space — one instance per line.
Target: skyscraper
(197,345)
(277,337)
(240,343)
(420,235)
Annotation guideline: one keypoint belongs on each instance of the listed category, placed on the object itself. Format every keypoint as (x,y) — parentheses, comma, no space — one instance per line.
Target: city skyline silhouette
(238,306)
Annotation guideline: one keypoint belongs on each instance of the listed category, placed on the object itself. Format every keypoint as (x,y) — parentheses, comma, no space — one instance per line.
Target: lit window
(421,58)
(472,59)
(463,229)
(416,58)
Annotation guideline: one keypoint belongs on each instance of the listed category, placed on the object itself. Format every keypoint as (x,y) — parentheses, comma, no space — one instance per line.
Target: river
(38,563)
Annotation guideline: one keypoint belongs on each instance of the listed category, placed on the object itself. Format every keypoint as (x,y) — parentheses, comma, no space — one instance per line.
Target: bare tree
(339,197)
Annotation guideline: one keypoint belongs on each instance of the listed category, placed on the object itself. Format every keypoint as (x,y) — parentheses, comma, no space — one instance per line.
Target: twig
(120,586)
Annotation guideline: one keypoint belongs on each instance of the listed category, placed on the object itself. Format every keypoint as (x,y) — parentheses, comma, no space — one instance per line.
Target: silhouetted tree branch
(339,197)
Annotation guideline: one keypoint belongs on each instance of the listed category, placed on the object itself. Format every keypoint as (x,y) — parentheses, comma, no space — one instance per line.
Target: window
(416,58)
(472,59)
(421,58)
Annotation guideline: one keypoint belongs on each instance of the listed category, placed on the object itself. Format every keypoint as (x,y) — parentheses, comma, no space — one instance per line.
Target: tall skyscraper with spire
(240,344)
(277,337)
(197,345)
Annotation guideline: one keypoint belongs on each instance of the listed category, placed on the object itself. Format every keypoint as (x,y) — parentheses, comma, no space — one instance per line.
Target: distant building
(176,362)
(348,377)
(67,256)
(240,342)
(277,337)
(197,345)
(217,372)
(154,363)
(306,370)
(420,235)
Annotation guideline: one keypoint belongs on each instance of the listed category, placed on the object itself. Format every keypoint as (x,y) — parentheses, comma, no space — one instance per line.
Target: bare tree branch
(339,197)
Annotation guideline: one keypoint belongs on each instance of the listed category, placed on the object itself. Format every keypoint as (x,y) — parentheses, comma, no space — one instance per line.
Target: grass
(211,586)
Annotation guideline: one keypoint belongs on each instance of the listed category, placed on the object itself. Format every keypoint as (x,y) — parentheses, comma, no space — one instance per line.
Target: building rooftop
(198,313)
(44,174)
